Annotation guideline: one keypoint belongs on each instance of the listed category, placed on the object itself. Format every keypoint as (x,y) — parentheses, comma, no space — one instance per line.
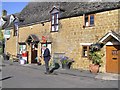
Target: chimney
(4,13)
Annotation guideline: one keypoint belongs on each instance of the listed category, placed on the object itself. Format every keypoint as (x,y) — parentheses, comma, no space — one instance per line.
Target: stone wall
(71,33)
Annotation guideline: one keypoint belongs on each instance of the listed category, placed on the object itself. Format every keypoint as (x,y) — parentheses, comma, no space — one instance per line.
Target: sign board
(7,33)
(44,40)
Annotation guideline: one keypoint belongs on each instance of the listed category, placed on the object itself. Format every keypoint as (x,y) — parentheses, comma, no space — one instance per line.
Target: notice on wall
(7,33)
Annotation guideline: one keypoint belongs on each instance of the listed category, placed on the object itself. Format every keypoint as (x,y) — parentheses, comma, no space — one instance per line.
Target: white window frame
(54,22)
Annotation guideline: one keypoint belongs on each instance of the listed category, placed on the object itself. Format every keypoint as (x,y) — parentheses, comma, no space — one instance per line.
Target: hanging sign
(44,40)
(7,33)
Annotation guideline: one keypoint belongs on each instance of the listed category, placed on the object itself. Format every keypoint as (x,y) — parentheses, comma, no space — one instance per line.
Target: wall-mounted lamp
(42,23)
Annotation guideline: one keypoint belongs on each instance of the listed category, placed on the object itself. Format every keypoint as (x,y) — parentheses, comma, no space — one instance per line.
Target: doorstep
(108,76)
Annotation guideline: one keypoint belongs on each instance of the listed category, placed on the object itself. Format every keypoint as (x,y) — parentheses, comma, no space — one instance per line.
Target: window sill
(53,31)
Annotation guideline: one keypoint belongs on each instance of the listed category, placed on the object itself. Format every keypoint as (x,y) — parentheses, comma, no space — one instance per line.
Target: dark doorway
(34,53)
(33,56)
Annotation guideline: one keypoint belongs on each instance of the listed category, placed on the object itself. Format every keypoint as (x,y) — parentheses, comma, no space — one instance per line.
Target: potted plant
(95,55)
(66,62)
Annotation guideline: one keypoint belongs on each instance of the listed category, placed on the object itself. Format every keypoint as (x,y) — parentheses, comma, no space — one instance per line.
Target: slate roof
(40,11)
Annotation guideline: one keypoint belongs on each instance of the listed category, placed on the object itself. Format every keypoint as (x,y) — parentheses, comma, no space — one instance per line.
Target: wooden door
(113,59)
(33,56)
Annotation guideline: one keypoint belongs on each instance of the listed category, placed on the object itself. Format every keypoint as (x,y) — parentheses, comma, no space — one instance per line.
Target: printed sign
(7,33)
(44,40)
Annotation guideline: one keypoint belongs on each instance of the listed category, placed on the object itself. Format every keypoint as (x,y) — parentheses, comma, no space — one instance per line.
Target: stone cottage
(69,28)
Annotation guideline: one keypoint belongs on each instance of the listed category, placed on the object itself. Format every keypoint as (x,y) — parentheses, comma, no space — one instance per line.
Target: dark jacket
(46,54)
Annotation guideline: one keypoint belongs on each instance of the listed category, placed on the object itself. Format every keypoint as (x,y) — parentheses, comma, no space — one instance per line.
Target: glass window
(52,19)
(53,28)
(54,22)
(88,20)
(85,51)
(56,18)
(114,52)
(56,27)
(92,20)
(22,48)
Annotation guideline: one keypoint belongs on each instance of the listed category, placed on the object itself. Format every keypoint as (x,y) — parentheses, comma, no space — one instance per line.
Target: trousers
(47,65)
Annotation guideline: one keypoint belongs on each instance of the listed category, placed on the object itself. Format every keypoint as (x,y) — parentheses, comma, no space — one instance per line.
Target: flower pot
(94,68)
(65,66)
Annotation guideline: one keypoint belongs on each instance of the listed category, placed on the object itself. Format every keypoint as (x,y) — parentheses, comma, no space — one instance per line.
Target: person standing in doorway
(46,56)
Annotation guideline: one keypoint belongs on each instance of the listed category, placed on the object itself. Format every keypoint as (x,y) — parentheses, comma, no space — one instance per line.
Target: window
(91,20)
(114,52)
(54,22)
(22,47)
(85,51)
(88,20)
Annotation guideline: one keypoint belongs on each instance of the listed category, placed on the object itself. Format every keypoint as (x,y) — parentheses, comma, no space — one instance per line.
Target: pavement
(81,73)
(72,72)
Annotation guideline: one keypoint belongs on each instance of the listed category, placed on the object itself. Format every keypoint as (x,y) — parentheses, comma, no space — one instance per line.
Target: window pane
(85,51)
(114,52)
(92,20)
(53,28)
(56,27)
(52,19)
(56,18)
(22,48)
(56,21)
(57,15)
(86,20)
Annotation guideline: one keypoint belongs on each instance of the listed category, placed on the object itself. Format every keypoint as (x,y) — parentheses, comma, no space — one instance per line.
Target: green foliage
(65,61)
(1,40)
(96,56)
(1,50)
(1,35)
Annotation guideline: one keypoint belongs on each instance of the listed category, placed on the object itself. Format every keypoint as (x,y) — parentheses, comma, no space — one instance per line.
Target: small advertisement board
(7,33)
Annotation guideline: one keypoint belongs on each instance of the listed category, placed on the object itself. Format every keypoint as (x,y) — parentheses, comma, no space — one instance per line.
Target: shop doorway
(33,41)
(34,53)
